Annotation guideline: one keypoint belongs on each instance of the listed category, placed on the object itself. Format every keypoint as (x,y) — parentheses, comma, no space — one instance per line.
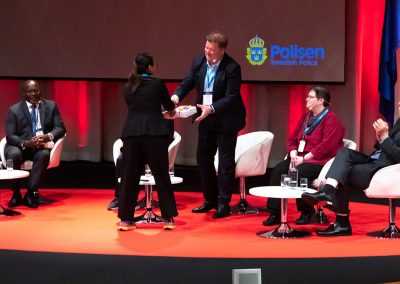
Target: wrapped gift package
(185,111)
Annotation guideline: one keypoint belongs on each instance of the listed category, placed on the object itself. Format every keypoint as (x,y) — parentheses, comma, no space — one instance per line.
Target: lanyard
(210,77)
(309,129)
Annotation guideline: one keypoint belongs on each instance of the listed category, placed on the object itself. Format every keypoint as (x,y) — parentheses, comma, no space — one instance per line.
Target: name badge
(207,99)
(302,144)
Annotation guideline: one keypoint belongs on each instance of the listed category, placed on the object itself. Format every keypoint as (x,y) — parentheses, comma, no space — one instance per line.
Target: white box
(185,111)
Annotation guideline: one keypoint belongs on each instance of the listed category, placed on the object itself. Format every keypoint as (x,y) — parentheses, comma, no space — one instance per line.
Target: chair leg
(243,206)
(391,231)
(320,217)
(148,216)
(141,204)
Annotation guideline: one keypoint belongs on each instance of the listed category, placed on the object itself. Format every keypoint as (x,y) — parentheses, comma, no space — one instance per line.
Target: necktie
(34,121)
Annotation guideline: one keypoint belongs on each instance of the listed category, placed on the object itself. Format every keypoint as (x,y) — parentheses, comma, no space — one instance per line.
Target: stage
(75,239)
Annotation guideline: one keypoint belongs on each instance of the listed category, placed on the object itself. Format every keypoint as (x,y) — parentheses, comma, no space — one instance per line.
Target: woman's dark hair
(322,93)
(142,62)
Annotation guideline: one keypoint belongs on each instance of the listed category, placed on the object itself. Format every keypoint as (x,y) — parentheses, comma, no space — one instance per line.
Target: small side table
(6,175)
(283,231)
(149,216)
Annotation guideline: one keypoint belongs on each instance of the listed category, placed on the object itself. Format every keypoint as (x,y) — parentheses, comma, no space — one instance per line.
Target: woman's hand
(297,160)
(169,114)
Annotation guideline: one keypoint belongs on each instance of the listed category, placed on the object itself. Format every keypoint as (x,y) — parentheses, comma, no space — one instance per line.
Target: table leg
(283,231)
(148,216)
(8,212)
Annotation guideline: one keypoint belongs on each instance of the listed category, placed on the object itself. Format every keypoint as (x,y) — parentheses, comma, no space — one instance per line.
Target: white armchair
(172,149)
(385,184)
(55,155)
(320,216)
(251,157)
(321,177)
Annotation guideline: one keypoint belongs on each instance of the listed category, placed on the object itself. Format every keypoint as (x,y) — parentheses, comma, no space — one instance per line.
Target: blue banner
(387,63)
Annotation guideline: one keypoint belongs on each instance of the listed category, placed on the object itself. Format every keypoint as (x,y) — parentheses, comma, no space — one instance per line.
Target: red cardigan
(323,142)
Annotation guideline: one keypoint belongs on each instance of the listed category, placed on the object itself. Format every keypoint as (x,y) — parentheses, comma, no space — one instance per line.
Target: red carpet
(78,222)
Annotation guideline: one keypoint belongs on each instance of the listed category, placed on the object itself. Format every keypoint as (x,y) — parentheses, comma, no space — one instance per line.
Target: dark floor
(82,174)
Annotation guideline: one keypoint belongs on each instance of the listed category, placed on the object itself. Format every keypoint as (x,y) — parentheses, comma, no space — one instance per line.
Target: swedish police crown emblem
(256,53)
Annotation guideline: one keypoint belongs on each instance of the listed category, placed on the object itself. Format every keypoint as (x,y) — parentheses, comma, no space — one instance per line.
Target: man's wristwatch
(212,109)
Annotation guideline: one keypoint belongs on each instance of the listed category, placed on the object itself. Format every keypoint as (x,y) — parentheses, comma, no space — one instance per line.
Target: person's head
(31,91)
(318,98)
(144,63)
(216,43)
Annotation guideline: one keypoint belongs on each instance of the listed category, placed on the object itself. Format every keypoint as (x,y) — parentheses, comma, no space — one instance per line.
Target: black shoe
(15,200)
(315,198)
(335,230)
(113,204)
(305,218)
(31,199)
(273,219)
(223,211)
(205,207)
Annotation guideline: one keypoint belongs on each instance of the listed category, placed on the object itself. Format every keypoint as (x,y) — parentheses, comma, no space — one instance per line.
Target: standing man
(32,127)
(221,113)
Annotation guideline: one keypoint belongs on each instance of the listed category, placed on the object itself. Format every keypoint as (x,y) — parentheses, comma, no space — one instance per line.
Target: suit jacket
(144,108)
(230,112)
(19,122)
(391,147)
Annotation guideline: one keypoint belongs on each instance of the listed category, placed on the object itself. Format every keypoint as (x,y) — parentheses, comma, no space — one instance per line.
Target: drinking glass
(283,177)
(286,181)
(303,183)
(10,165)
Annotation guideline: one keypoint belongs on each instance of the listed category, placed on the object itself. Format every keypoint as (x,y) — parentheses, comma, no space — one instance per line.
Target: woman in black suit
(145,138)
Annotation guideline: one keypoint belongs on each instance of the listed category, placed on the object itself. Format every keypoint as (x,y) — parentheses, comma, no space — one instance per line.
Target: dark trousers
(216,189)
(305,170)
(351,169)
(118,174)
(40,160)
(138,151)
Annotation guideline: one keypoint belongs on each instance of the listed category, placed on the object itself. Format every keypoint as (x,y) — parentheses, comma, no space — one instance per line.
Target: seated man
(352,169)
(32,127)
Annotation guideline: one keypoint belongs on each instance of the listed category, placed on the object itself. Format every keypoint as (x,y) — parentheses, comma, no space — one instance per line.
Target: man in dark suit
(32,127)
(221,113)
(352,169)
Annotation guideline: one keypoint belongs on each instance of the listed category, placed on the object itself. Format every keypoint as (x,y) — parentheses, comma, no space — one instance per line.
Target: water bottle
(147,171)
(293,175)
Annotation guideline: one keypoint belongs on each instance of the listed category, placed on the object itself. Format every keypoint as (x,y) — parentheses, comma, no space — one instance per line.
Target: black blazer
(19,122)
(144,108)
(230,113)
(391,147)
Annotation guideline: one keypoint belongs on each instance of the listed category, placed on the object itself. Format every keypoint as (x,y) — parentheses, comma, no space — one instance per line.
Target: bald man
(31,125)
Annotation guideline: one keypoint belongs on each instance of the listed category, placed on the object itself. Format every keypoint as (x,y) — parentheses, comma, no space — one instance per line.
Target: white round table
(283,230)
(14,174)
(6,175)
(149,216)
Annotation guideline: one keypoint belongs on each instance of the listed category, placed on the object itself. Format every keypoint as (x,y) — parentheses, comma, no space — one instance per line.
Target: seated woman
(317,138)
